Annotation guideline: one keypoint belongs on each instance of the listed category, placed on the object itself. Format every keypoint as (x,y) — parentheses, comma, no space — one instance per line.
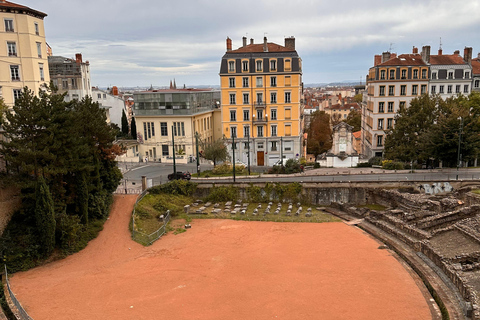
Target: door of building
(260,158)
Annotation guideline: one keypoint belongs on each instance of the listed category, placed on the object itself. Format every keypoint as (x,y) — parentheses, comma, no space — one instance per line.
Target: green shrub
(180,187)
(292,166)
(392,165)
(375,161)
(222,194)
(364,165)
(255,193)
(316,165)
(222,168)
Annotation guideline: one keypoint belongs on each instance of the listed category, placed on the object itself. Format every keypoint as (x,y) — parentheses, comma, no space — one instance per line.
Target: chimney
(385,56)
(456,52)
(115,91)
(290,43)
(415,49)
(251,40)
(467,54)
(78,57)
(265,46)
(377,60)
(426,54)
(244,39)
(440,52)
(229,44)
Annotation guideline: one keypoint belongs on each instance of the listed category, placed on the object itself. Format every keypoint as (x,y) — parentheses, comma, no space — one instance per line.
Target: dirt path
(222,269)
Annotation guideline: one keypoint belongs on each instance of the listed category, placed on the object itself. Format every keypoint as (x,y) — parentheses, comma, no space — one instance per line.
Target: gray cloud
(144,42)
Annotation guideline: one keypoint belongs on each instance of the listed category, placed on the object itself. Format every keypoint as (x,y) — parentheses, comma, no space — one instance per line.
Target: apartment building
(159,114)
(71,76)
(476,73)
(261,86)
(23,51)
(113,103)
(394,81)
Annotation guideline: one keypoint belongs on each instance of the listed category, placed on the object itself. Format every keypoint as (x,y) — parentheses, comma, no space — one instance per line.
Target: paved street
(158,172)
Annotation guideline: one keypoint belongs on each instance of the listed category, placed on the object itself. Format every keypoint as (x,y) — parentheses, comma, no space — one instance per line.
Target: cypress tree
(82,197)
(134,129)
(45,216)
(124,124)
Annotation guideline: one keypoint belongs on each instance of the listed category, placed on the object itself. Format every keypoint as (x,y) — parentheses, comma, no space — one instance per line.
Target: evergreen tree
(124,124)
(45,216)
(134,128)
(82,197)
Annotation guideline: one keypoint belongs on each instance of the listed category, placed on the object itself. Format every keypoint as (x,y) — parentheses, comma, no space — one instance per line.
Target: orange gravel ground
(223,269)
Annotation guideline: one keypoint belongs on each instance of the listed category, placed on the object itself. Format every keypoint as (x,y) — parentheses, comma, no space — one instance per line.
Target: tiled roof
(446,59)
(476,66)
(272,47)
(411,59)
(11,5)
(177,90)
(347,106)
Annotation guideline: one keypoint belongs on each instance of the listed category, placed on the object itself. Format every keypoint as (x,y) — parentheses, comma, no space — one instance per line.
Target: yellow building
(159,114)
(262,91)
(23,51)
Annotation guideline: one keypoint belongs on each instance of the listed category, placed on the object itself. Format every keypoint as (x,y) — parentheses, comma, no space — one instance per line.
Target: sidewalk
(338,171)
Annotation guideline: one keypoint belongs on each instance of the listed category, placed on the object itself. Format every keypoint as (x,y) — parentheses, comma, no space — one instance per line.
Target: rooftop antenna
(391,47)
(440,43)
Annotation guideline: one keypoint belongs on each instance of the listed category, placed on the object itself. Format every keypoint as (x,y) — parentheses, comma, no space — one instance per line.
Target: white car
(279,162)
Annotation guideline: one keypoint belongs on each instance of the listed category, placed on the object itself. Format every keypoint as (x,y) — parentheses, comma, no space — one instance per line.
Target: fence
(143,238)
(22,314)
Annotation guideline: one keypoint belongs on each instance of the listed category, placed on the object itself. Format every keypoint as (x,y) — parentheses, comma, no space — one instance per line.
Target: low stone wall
(449,217)
(467,292)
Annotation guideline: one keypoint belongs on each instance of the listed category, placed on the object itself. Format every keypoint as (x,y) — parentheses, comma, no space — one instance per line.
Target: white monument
(342,154)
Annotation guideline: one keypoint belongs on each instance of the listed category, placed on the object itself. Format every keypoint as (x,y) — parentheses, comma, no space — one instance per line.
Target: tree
(124,124)
(45,216)
(458,115)
(133,129)
(406,141)
(336,118)
(354,119)
(358,98)
(69,146)
(319,133)
(214,151)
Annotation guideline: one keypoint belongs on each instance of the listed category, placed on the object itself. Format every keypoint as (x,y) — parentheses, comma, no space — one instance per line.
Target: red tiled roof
(347,106)
(178,90)
(258,47)
(357,134)
(411,59)
(11,5)
(446,59)
(476,66)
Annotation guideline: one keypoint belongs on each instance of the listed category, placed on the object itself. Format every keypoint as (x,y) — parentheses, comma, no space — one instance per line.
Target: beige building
(159,114)
(23,51)
(71,76)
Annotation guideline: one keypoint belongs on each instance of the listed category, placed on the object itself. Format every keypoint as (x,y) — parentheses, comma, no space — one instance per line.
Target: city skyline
(151,43)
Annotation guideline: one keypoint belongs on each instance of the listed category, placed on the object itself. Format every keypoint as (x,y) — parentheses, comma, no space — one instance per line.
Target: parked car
(279,162)
(180,175)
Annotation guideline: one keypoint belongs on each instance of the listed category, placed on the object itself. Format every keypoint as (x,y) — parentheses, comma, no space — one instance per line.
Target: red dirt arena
(223,269)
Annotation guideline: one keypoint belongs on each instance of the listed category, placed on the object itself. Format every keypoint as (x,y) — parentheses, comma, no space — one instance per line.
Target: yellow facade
(23,51)
(261,93)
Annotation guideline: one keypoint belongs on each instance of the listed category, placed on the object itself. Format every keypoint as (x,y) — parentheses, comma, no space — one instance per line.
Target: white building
(112,103)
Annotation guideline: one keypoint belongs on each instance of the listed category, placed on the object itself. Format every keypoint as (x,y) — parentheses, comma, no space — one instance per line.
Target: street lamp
(233,150)
(248,148)
(459,155)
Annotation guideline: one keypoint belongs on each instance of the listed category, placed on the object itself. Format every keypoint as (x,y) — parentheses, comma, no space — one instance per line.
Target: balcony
(262,120)
(260,104)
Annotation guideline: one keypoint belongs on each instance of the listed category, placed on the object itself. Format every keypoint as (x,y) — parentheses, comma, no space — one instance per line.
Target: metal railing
(22,314)
(143,238)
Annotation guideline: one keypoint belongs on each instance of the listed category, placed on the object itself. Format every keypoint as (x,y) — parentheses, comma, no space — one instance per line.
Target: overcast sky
(138,43)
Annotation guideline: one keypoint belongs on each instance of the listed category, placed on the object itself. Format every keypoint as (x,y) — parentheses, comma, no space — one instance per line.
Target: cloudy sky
(138,43)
